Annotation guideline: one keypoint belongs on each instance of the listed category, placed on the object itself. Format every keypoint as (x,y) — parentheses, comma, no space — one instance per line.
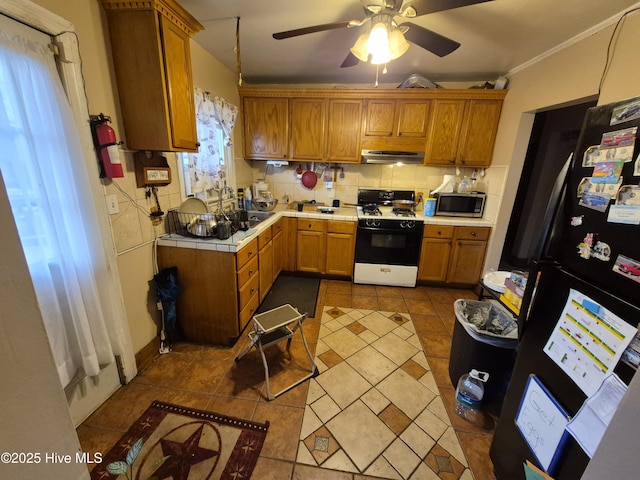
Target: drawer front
(248,271)
(336,226)
(312,224)
(247,253)
(264,238)
(472,233)
(248,290)
(438,231)
(249,310)
(276,227)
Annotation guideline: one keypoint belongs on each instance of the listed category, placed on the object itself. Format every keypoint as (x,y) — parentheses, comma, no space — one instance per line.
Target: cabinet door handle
(473,234)
(250,272)
(252,290)
(453,160)
(439,232)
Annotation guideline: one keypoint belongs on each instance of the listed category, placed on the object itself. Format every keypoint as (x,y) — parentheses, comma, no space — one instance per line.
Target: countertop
(241,238)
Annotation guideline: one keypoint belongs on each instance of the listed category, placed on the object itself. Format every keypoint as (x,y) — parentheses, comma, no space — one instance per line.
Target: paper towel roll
(448,184)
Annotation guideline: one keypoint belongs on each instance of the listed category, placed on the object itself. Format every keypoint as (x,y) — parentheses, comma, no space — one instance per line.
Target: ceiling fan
(385,15)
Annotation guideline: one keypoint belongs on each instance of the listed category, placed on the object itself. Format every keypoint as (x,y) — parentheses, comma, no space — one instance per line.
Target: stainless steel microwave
(461,204)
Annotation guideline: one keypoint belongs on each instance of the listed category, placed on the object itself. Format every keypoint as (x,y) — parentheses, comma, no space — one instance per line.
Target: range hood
(393,156)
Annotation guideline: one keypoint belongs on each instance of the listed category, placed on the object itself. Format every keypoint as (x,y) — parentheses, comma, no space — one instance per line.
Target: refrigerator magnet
(627,267)
(577,220)
(619,138)
(624,113)
(601,251)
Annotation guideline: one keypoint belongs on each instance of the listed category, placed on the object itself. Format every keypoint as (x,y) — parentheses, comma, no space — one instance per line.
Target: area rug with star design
(170,441)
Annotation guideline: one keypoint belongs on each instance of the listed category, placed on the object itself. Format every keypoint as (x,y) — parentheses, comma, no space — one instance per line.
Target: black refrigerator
(592,248)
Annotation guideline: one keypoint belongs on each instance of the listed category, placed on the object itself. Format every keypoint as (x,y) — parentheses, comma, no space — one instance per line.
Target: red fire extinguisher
(106,145)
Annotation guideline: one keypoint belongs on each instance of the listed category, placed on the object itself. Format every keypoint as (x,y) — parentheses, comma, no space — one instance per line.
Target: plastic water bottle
(469,394)
(248,199)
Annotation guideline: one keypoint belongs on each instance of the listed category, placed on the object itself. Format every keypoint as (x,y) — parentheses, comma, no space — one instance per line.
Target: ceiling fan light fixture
(378,44)
(359,49)
(398,45)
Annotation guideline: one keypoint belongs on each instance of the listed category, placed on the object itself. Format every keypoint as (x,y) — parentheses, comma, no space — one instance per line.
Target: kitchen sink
(257,216)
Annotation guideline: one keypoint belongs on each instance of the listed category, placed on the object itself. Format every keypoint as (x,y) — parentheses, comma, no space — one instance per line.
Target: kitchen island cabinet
(452,254)
(152,60)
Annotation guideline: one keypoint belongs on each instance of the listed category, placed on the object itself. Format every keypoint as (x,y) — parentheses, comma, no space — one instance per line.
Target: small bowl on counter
(265,204)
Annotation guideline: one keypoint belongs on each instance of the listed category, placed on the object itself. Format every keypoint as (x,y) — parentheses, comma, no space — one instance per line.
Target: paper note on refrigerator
(593,418)
(588,341)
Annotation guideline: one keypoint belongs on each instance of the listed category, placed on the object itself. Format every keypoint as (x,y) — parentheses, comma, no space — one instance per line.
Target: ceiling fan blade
(316,28)
(350,61)
(430,40)
(423,7)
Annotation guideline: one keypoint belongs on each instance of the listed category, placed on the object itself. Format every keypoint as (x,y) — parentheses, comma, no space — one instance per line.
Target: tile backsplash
(283,181)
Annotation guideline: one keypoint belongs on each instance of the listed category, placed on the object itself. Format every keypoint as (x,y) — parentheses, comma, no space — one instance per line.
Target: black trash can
(484,338)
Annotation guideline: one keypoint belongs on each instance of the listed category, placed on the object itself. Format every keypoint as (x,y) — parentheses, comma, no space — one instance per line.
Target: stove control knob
(407,224)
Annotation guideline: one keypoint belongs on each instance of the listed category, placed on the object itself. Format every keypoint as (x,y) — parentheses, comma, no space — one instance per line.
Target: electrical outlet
(112,204)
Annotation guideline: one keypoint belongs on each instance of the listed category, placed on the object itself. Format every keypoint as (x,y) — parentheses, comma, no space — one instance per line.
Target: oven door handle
(390,230)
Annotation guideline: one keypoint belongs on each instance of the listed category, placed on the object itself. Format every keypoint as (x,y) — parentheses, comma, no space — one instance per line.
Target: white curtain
(208,171)
(48,186)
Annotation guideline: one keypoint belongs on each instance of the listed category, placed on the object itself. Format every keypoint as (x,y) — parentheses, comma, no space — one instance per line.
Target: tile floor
(300,436)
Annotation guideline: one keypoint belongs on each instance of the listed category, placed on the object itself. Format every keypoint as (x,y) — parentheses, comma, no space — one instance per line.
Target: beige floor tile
(408,394)
(378,324)
(401,457)
(371,364)
(344,342)
(394,348)
(378,436)
(343,384)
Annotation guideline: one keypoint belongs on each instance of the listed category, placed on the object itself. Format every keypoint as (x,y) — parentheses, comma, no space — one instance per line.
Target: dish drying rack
(179,221)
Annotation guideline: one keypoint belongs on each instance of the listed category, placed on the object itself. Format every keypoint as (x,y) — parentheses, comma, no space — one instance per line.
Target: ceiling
(496,37)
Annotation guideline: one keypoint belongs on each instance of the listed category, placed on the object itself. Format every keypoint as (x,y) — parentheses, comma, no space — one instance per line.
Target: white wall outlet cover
(329,185)
(112,204)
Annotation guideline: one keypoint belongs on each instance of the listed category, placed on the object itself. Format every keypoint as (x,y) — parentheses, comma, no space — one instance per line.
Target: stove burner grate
(404,212)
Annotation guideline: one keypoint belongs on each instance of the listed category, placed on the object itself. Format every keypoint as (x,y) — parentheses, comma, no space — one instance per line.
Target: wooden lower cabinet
(208,305)
(325,246)
(341,242)
(311,245)
(452,255)
(278,247)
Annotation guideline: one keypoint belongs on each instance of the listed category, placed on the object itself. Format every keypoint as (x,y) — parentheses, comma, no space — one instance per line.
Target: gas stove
(388,239)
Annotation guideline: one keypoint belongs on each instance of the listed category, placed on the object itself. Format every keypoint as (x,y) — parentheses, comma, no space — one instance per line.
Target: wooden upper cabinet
(462,132)
(307,128)
(452,127)
(380,118)
(479,132)
(396,118)
(266,128)
(344,125)
(152,63)
(444,132)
